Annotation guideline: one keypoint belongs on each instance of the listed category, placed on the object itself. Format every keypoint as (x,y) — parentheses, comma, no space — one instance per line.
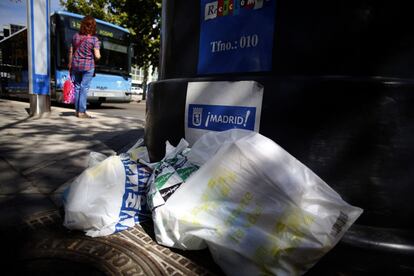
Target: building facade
(9,29)
(137,75)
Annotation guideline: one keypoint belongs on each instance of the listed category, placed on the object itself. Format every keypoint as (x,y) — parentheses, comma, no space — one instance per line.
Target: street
(131,110)
(127,110)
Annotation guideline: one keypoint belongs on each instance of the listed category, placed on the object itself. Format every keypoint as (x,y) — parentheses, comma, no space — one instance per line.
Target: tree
(141,17)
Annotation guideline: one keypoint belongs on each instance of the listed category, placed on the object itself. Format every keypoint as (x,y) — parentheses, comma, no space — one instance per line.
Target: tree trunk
(144,82)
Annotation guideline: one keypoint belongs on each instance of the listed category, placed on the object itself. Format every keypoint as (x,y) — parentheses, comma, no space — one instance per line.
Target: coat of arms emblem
(197,116)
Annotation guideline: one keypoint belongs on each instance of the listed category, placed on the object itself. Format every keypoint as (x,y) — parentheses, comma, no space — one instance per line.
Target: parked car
(136,90)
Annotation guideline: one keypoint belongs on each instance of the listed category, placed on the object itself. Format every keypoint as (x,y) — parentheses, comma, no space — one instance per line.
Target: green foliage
(141,17)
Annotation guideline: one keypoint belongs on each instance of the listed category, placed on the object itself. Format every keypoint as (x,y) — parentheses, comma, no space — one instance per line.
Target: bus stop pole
(38,32)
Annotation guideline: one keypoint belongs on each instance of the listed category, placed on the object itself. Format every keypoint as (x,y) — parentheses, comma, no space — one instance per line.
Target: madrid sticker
(220,117)
(220,106)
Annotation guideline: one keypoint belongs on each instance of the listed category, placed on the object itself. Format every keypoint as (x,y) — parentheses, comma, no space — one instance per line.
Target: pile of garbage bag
(252,204)
(110,195)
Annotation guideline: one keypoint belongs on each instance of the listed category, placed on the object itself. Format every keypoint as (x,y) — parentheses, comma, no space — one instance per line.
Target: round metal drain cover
(42,246)
(51,254)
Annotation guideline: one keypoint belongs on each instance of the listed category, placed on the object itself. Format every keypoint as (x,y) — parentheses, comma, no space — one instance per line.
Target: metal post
(39,104)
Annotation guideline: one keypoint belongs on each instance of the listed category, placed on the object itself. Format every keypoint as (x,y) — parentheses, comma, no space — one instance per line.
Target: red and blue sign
(236,36)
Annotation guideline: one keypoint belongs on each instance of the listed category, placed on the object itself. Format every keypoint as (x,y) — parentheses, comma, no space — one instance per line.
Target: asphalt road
(132,109)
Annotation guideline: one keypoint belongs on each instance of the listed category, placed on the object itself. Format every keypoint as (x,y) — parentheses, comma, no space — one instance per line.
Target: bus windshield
(115,46)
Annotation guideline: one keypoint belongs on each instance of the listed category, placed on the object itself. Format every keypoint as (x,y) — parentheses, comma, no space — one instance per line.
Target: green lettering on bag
(161,180)
(184,173)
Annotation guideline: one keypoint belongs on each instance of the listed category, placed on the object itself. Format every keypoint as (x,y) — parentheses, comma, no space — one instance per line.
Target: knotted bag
(68,91)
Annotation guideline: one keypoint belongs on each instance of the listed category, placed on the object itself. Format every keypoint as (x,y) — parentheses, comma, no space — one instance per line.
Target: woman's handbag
(68,91)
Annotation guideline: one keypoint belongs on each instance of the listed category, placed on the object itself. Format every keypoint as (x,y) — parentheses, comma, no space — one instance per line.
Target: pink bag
(68,92)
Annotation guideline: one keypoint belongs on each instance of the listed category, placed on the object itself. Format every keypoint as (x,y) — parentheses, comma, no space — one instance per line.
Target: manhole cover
(44,247)
(74,254)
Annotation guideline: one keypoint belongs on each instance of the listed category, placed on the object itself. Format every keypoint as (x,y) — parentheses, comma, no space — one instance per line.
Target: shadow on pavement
(14,123)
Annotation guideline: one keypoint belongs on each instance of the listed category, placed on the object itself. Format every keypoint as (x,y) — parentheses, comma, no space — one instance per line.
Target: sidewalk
(39,157)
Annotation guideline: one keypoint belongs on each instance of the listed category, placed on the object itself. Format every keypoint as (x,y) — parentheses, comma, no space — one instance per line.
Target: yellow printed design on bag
(286,235)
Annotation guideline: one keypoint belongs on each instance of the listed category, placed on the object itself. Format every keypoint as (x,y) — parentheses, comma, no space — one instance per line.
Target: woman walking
(83,52)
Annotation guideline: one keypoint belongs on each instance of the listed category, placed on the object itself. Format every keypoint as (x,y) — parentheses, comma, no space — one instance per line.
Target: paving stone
(11,182)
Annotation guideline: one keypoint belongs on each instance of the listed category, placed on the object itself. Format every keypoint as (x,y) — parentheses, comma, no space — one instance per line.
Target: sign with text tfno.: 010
(219,106)
(236,36)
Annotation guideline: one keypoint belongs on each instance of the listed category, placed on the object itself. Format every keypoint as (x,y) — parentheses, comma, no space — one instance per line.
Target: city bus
(112,82)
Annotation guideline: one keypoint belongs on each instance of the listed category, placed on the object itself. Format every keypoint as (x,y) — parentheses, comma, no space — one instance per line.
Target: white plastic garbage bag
(109,196)
(259,209)
(168,176)
(95,158)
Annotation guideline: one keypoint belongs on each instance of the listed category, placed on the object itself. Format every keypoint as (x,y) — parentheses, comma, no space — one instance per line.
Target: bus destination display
(75,24)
